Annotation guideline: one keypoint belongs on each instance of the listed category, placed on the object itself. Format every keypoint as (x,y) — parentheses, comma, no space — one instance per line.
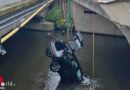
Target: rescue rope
(93,55)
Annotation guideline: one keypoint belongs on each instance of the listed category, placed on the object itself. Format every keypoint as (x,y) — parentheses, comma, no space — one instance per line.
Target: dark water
(28,67)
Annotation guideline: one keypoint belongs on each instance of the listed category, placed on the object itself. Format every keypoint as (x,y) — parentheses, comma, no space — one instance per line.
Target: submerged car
(64,60)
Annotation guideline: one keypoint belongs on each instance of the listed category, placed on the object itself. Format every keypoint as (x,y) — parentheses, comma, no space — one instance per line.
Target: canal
(27,66)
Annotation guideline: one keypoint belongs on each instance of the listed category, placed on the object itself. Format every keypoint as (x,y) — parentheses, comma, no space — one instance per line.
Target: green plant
(56,16)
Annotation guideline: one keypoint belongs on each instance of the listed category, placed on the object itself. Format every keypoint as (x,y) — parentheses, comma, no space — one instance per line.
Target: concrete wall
(40,26)
(83,21)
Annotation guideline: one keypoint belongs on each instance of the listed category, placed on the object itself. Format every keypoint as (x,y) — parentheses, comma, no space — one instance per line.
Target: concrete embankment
(40,26)
(13,7)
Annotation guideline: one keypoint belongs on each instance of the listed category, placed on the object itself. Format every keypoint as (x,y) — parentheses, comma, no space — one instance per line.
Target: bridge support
(103,22)
(82,17)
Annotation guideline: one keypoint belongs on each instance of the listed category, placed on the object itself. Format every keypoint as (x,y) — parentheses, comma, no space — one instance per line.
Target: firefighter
(48,36)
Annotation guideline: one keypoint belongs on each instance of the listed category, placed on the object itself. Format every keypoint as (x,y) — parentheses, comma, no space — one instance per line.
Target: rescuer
(48,36)
(63,32)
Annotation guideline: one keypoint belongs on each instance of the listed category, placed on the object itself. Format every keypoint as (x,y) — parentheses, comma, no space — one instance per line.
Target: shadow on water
(27,65)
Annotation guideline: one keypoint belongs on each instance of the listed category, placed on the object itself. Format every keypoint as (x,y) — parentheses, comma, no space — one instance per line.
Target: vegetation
(57,17)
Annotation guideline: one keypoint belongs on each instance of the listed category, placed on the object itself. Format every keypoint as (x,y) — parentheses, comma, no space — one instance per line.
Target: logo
(4,84)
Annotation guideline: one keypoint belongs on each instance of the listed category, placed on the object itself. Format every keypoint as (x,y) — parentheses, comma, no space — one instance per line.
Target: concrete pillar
(83,21)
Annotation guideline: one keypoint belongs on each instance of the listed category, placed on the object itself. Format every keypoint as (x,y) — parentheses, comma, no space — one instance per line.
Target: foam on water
(86,81)
(87,84)
(53,81)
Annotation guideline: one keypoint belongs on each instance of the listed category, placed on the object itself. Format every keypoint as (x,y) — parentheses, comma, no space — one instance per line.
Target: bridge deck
(118,12)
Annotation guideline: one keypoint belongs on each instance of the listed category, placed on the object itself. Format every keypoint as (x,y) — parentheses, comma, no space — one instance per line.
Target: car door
(76,43)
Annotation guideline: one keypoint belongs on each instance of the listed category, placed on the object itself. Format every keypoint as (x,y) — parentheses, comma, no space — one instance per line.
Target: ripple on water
(54,79)
(88,84)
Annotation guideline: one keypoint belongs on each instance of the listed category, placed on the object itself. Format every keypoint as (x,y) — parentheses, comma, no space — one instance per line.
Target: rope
(93,55)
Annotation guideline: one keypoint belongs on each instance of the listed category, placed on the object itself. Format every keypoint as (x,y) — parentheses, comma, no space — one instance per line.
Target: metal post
(68,23)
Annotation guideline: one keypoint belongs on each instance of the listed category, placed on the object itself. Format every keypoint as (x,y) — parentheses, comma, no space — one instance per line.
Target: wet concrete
(28,67)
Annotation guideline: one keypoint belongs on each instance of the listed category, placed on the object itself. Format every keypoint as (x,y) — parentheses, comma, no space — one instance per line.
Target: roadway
(11,20)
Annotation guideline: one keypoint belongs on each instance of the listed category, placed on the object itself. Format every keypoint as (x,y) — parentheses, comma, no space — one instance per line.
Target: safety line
(24,23)
(93,56)
(68,19)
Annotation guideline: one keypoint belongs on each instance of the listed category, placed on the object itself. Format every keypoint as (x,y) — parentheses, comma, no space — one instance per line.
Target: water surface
(28,67)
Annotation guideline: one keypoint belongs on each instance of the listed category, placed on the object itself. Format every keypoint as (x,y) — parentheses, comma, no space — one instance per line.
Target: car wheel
(55,67)
(48,53)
